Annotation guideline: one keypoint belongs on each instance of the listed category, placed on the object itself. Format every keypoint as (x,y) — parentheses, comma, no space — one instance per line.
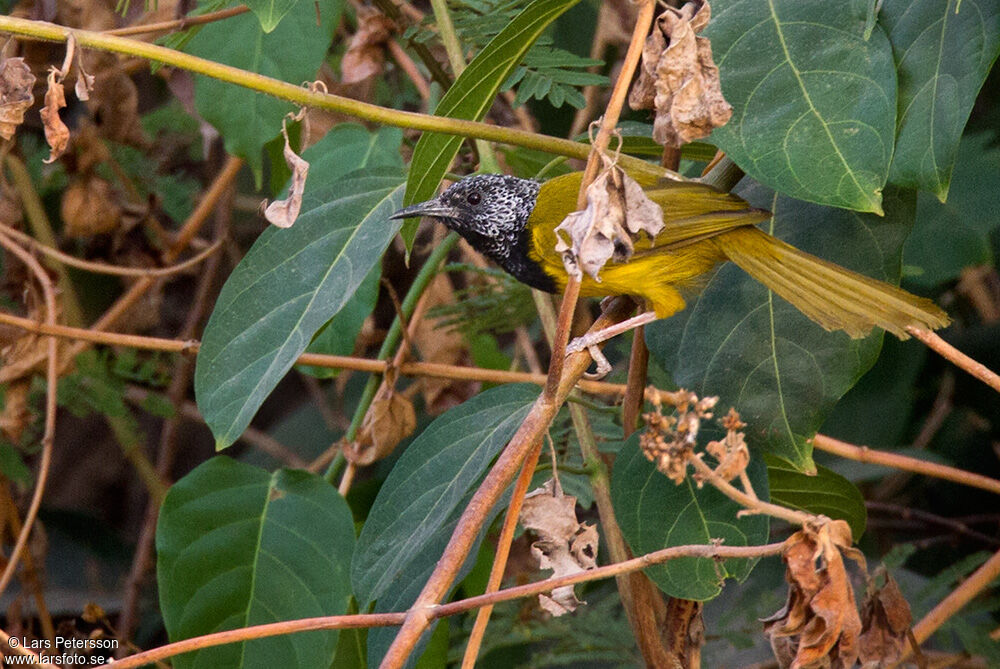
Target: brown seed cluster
(669,441)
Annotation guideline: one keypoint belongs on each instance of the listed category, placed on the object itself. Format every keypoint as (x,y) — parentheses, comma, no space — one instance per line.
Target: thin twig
(49,435)
(750,502)
(949,352)
(19,649)
(105,268)
(978,581)
(897,461)
(179,24)
(370,620)
(503,552)
(407,65)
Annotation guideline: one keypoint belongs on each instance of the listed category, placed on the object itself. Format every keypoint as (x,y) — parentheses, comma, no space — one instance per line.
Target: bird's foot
(590,341)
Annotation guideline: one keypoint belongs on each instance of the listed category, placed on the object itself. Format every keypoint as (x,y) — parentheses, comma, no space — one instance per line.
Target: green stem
(301,96)
(446,31)
(392,338)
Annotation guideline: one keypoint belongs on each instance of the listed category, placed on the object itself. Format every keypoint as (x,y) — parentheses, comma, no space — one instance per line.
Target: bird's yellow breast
(684,250)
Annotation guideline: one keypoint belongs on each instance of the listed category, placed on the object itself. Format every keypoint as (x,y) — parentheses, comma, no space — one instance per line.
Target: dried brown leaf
(885,621)
(56,132)
(365,56)
(819,624)
(440,344)
(14,415)
(389,420)
(564,545)
(617,211)
(283,213)
(84,84)
(16,83)
(90,207)
(679,78)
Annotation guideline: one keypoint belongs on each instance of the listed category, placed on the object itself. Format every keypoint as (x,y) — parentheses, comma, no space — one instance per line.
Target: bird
(513,221)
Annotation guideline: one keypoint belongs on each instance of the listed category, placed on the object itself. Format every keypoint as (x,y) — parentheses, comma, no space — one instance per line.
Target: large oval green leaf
(292,51)
(288,285)
(814,103)
(420,503)
(655,513)
(237,546)
(472,95)
(826,493)
(943,52)
(781,371)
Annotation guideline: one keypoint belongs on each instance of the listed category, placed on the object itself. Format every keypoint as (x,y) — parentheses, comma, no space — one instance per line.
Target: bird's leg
(590,340)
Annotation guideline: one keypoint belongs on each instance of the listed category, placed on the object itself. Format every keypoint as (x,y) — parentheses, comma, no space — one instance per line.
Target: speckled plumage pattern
(496,224)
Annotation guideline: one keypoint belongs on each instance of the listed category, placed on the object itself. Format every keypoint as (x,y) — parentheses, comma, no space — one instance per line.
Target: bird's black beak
(432,208)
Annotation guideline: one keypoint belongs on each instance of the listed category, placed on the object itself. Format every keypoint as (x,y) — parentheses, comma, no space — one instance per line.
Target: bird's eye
(473,198)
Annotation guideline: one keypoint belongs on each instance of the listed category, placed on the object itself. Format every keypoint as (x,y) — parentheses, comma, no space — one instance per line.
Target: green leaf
(292,52)
(943,52)
(270,12)
(814,103)
(237,546)
(827,493)
(951,236)
(288,285)
(759,354)
(420,502)
(655,513)
(471,96)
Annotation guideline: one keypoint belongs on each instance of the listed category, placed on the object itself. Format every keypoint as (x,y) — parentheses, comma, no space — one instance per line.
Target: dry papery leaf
(283,213)
(365,55)
(56,132)
(819,624)
(679,79)
(14,414)
(885,622)
(617,211)
(389,420)
(439,344)
(16,83)
(564,545)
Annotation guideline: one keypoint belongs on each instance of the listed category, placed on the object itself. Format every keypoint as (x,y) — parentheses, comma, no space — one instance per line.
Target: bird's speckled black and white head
(491,212)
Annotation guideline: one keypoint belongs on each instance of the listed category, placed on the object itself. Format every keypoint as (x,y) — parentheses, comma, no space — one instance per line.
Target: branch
(872,456)
(949,352)
(51,381)
(301,96)
(452,608)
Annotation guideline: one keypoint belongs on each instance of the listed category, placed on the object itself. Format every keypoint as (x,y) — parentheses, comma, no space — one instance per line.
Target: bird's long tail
(834,297)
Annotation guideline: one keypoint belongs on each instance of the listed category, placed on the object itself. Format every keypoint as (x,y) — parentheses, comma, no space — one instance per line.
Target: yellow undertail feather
(834,297)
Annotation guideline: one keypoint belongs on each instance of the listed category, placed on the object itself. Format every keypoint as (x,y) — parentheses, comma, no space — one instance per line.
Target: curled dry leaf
(819,624)
(617,211)
(885,622)
(366,54)
(389,420)
(56,132)
(679,78)
(283,213)
(90,207)
(668,441)
(564,545)
(732,452)
(16,83)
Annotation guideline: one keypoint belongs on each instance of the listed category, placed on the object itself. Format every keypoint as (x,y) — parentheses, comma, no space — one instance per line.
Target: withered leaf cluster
(679,79)
(669,440)
(885,622)
(819,625)
(564,545)
(390,419)
(617,211)
(16,83)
